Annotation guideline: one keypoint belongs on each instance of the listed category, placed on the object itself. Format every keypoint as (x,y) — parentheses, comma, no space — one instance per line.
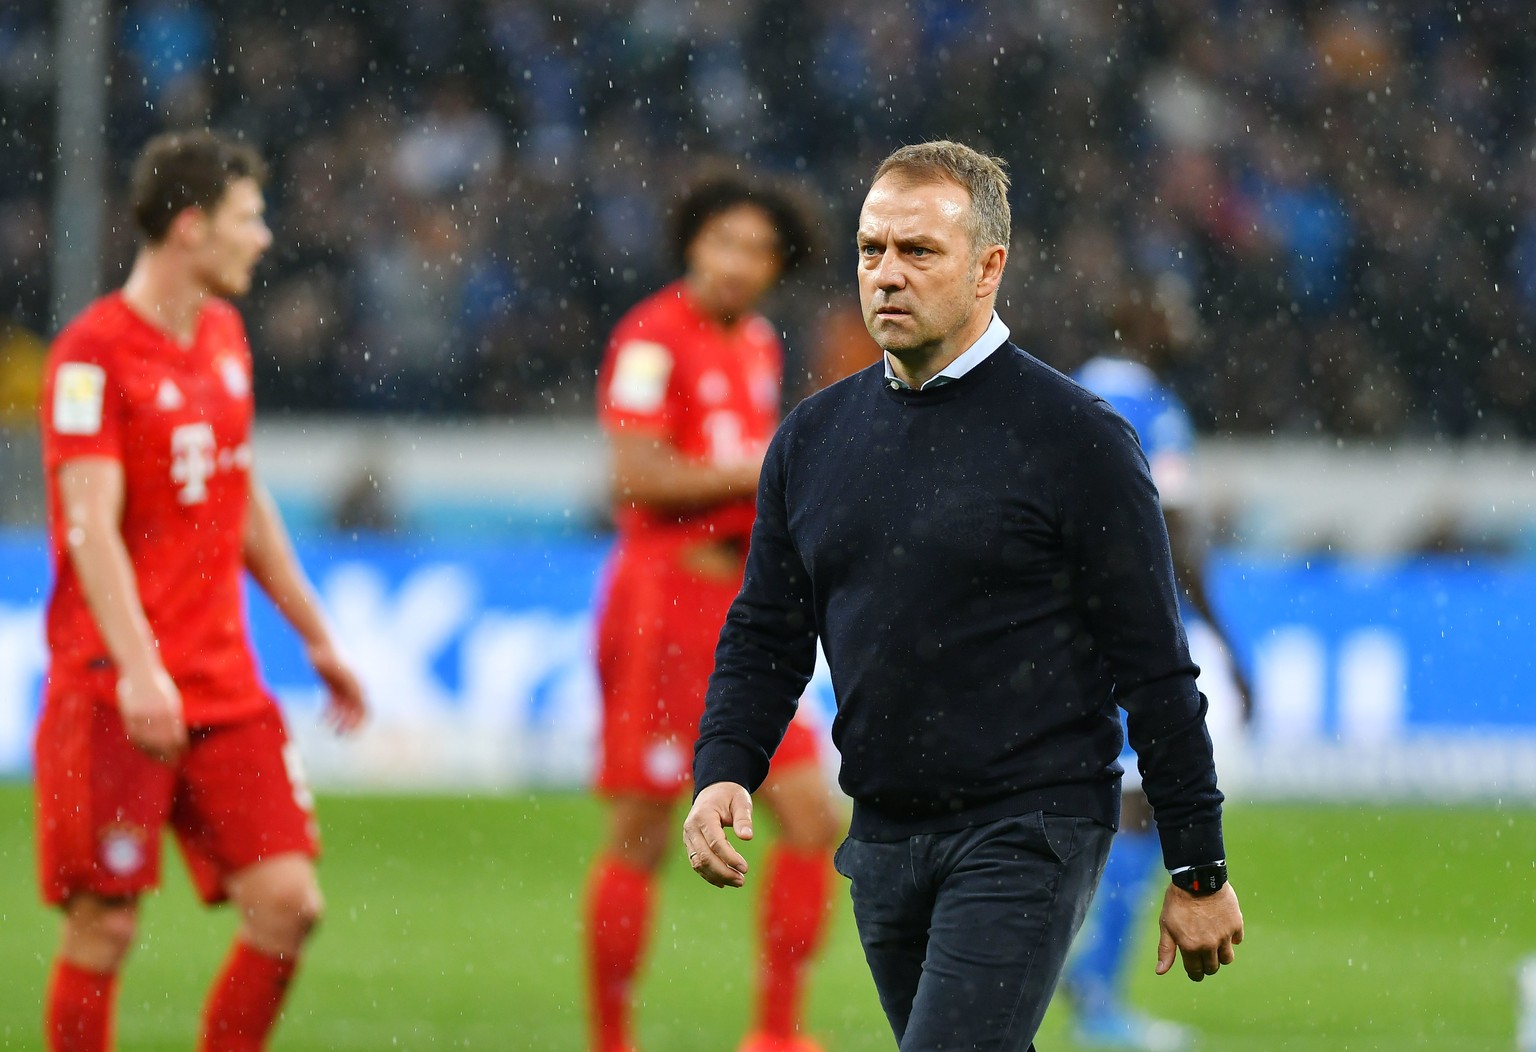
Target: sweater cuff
(1192,845)
(723,760)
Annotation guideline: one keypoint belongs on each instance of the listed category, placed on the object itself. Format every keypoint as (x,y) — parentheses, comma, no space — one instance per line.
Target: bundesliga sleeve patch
(640,374)
(78,391)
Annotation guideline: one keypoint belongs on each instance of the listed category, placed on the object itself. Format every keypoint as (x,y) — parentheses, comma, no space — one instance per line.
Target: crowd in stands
(467,193)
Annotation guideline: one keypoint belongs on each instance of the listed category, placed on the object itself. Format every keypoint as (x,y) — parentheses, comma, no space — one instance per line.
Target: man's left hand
(1203,929)
(347,708)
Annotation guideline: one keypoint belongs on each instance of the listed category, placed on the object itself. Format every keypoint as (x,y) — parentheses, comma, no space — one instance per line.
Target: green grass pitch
(452,924)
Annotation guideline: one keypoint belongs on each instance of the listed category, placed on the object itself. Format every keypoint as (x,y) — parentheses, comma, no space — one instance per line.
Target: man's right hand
(151,708)
(709,852)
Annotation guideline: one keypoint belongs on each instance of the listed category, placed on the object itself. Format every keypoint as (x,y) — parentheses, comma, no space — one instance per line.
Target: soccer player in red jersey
(689,395)
(153,713)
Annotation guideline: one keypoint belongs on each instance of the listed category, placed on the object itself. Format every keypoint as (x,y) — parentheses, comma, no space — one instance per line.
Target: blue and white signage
(1406,679)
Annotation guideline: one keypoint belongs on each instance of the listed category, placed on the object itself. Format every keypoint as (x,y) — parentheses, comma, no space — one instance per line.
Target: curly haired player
(689,397)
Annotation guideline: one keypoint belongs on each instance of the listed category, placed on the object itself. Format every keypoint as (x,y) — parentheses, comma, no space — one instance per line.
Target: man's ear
(989,274)
(188,228)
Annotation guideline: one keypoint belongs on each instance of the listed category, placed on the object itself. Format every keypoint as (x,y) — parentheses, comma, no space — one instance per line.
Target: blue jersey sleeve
(1161,422)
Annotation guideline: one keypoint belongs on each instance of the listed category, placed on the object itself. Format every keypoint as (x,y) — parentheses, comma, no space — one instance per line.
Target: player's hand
(347,707)
(150,706)
(709,852)
(1203,929)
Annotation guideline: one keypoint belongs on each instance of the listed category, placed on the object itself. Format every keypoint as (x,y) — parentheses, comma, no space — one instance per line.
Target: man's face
(918,273)
(734,260)
(230,239)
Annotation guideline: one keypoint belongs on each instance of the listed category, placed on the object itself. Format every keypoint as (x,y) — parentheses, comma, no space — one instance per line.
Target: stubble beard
(231,283)
(903,343)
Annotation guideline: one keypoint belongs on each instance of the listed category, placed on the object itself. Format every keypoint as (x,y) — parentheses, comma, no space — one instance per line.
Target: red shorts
(656,636)
(236,797)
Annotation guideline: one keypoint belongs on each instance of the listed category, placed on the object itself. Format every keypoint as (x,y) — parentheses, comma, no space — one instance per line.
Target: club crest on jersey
(169,396)
(124,849)
(236,382)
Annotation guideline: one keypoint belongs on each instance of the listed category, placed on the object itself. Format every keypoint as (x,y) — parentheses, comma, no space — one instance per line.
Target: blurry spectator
(22,355)
(262,93)
(299,321)
(451,144)
(332,66)
(1353,384)
(545,72)
(21,375)
(415,349)
(1303,218)
(24,260)
(26,76)
(169,41)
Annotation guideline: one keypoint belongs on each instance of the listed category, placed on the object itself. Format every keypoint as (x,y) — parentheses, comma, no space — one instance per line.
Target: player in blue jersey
(1148,325)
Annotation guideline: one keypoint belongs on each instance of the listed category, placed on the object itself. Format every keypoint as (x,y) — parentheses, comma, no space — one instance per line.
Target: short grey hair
(985,178)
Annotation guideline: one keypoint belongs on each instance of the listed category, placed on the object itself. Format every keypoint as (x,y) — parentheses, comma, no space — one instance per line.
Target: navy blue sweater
(987,568)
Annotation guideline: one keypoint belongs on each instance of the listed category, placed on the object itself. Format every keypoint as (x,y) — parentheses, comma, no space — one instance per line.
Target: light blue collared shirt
(978,352)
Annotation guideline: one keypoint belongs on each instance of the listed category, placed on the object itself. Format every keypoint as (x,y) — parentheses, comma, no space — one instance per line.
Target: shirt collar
(996,335)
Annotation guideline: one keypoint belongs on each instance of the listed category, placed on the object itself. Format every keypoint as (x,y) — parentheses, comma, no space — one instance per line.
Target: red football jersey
(179,420)
(712,393)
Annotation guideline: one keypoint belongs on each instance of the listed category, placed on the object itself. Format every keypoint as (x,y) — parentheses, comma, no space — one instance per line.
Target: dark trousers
(966,932)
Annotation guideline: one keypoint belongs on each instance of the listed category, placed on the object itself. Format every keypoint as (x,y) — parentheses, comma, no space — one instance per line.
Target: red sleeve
(81,413)
(638,382)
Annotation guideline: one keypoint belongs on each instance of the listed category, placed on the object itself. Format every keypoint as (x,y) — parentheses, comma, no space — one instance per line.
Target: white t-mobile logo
(192,461)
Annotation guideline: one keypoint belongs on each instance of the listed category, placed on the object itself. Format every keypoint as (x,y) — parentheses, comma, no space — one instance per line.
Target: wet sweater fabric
(986,566)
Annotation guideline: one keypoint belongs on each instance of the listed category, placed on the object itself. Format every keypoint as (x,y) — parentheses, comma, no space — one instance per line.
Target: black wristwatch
(1201,881)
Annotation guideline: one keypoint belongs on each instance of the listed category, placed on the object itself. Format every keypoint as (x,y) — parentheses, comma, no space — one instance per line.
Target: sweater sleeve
(1118,543)
(767,648)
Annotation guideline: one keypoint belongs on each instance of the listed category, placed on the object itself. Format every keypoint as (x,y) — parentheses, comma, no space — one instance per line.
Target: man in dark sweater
(977,543)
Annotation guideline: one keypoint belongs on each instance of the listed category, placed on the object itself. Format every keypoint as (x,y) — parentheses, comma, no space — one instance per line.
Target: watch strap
(1204,879)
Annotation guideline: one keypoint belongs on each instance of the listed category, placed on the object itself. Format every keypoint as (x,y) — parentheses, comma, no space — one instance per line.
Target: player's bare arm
(709,852)
(91,492)
(270,558)
(647,469)
(1203,929)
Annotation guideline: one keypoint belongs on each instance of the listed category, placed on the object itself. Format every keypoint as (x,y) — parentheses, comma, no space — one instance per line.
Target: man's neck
(916,366)
(161,292)
(914,372)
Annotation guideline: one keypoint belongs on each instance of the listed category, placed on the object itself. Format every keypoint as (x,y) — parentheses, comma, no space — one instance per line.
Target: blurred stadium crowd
(467,193)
